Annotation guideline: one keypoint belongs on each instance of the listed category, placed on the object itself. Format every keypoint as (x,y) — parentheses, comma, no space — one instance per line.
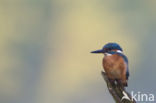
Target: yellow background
(45,48)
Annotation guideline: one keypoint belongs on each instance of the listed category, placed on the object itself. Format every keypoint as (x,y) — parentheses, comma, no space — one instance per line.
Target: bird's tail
(125,84)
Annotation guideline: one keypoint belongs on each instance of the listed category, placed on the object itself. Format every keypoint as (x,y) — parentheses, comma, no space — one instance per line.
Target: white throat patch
(107,54)
(119,51)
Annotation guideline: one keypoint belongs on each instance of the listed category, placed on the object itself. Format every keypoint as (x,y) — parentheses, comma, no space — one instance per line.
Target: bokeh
(45,48)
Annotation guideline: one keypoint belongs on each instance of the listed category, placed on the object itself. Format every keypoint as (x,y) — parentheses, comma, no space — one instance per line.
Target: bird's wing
(126,60)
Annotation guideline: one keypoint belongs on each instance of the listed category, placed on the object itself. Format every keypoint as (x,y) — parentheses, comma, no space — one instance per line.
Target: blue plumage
(111,46)
(115,63)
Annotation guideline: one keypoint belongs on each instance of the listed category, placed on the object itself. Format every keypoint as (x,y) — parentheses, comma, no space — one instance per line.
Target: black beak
(98,51)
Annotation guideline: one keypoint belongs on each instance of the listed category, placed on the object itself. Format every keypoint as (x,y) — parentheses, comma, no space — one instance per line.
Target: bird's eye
(109,49)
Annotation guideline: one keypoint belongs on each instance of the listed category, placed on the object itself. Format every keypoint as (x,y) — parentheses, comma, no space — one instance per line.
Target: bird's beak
(98,51)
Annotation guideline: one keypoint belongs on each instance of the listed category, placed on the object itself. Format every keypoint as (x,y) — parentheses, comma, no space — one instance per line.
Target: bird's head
(108,48)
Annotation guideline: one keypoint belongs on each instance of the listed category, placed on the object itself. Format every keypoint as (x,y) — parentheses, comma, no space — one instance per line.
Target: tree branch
(117,91)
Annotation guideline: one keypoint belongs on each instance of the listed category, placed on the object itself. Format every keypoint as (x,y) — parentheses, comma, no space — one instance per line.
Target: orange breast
(115,67)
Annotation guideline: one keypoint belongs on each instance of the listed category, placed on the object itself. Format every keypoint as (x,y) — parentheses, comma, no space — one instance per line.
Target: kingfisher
(115,63)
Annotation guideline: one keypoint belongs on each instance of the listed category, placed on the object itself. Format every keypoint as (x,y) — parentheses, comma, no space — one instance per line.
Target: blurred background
(45,48)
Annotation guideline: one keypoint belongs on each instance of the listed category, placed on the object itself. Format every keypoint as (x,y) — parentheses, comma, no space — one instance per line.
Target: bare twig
(120,95)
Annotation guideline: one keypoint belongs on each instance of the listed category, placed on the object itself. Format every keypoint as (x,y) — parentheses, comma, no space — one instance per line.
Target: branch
(117,91)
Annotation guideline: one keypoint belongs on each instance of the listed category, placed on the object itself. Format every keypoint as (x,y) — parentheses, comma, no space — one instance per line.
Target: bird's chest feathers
(110,60)
(112,64)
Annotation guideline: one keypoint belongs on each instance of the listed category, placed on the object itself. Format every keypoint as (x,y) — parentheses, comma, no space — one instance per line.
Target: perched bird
(115,63)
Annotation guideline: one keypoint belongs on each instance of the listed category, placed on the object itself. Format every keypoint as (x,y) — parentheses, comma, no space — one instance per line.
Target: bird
(115,63)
